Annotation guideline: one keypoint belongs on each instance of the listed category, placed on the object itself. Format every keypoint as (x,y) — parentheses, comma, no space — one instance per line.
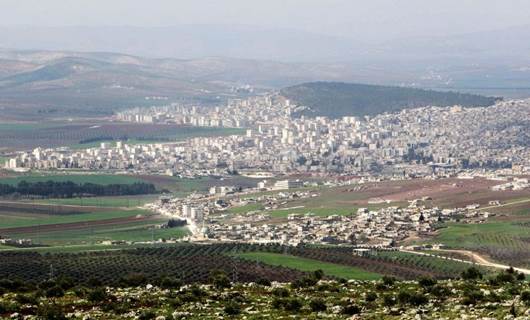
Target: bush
(293,305)
(97,295)
(170,283)
(55,292)
(50,312)
(388,300)
(415,298)
(440,291)
(280,292)
(264,282)
(134,280)
(471,274)
(232,309)
(388,281)
(317,305)
(426,282)
(26,299)
(147,315)
(525,297)
(220,280)
(472,296)
(318,274)
(351,310)
(288,304)
(370,296)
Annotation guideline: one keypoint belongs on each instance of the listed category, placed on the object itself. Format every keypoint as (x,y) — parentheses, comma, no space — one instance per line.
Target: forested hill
(337,99)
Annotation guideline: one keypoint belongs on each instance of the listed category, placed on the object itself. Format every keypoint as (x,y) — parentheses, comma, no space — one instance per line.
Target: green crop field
(499,234)
(304,264)
(119,201)
(18,220)
(424,262)
(143,231)
(104,179)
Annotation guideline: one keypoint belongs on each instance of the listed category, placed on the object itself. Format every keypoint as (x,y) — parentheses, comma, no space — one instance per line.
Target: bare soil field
(445,193)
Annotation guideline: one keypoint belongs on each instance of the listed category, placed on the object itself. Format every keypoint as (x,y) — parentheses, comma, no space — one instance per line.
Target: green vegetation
(497,234)
(246,208)
(304,264)
(335,99)
(120,201)
(26,220)
(103,179)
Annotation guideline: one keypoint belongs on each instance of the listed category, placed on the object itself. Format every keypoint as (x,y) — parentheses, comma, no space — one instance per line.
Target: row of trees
(70,189)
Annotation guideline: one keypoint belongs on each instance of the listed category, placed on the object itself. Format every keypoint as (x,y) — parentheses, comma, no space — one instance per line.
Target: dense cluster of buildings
(375,229)
(411,142)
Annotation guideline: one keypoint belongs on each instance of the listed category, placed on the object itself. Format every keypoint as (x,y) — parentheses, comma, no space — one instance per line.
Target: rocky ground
(505,296)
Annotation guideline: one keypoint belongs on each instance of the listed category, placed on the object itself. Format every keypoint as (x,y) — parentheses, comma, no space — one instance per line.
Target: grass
(120,201)
(104,179)
(246,208)
(495,234)
(436,264)
(309,265)
(142,232)
(20,220)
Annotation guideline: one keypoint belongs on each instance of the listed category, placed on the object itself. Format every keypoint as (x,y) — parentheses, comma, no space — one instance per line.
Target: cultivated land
(309,265)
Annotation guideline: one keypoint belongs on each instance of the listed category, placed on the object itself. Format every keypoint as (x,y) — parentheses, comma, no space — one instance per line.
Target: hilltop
(338,99)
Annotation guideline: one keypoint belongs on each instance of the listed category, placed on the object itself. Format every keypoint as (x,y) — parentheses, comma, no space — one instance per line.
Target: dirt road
(475,259)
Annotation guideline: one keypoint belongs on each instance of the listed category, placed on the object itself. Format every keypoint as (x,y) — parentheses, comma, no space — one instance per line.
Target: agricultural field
(104,179)
(27,135)
(108,202)
(71,224)
(309,265)
(503,241)
(445,193)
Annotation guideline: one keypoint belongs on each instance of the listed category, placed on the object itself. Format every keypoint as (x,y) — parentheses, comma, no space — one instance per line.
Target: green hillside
(338,99)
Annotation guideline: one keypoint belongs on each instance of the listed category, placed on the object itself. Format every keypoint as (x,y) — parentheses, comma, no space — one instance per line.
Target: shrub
(318,274)
(388,281)
(280,292)
(97,295)
(50,312)
(147,315)
(471,274)
(170,283)
(134,280)
(525,297)
(351,310)
(370,296)
(220,280)
(317,305)
(440,291)
(232,309)
(26,299)
(472,297)
(426,282)
(293,305)
(55,292)
(264,282)
(388,300)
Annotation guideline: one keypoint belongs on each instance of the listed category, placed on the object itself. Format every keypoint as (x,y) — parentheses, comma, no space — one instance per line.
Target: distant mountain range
(337,99)
(489,63)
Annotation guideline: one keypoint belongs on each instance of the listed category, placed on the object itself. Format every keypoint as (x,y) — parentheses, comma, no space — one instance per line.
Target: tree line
(70,189)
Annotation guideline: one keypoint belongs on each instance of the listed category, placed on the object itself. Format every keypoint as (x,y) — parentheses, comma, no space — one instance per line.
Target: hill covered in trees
(338,99)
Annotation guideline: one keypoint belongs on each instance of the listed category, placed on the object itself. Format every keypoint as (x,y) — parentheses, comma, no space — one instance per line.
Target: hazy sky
(360,19)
